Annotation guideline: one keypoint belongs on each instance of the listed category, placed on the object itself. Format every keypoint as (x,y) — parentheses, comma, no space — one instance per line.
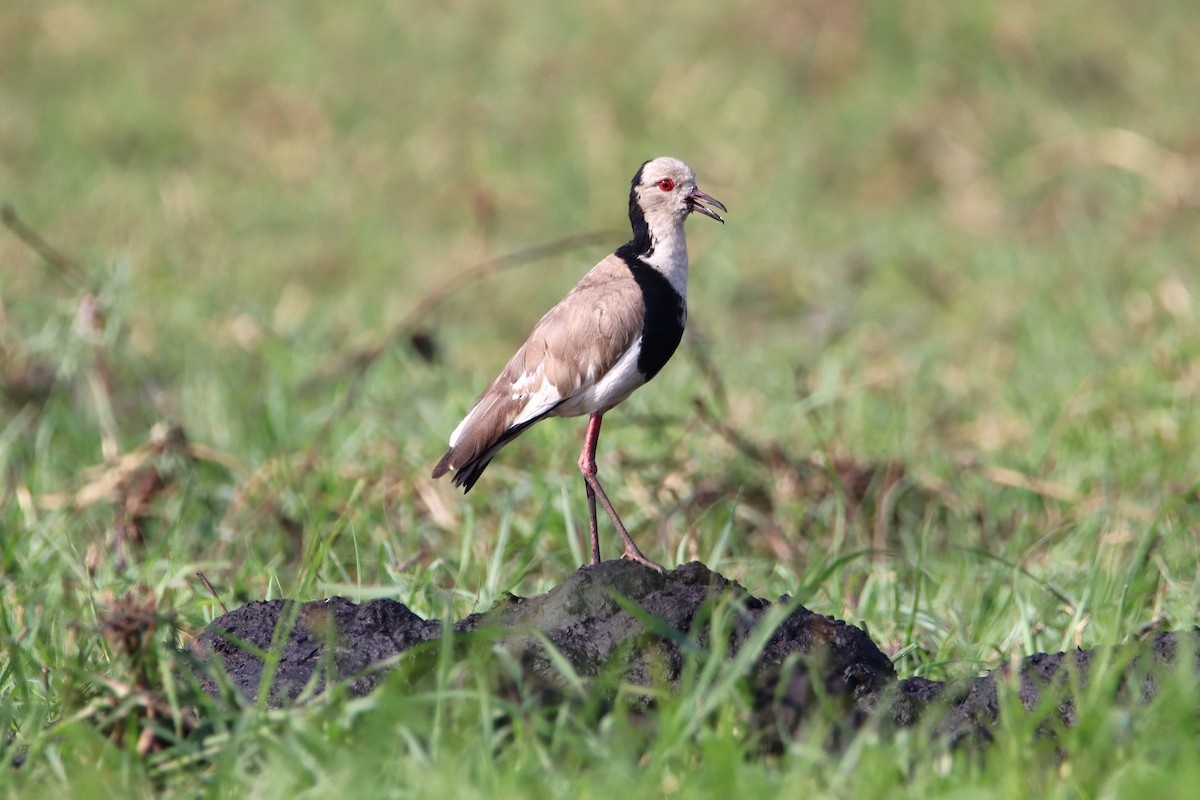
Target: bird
(606,338)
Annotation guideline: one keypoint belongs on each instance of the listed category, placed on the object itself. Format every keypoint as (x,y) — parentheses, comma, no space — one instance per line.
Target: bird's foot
(633,554)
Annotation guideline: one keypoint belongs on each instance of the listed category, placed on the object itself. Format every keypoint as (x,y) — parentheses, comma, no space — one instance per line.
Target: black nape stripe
(641,244)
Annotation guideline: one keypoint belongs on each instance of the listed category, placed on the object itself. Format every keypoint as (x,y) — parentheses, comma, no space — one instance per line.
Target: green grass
(962,242)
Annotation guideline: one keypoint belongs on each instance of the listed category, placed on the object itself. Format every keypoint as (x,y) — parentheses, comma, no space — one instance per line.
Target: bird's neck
(662,247)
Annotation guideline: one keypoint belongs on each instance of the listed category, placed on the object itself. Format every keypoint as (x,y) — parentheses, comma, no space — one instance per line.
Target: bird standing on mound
(612,333)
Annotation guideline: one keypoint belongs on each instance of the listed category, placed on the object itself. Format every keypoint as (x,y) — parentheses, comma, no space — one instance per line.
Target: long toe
(635,555)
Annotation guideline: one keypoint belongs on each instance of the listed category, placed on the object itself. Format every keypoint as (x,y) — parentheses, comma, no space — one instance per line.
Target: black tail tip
(464,475)
(467,474)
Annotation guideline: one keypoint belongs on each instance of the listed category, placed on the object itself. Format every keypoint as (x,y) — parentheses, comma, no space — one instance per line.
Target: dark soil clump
(622,619)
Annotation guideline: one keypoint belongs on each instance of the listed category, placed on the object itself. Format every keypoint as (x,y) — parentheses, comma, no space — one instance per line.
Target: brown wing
(573,346)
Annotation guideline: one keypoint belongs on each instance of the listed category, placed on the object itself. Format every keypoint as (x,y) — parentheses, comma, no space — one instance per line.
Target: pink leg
(587,465)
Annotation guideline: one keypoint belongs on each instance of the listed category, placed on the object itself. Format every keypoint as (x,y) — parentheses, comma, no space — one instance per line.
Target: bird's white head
(664,192)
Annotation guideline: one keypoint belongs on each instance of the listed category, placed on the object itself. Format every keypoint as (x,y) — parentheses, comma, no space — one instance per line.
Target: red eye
(666,184)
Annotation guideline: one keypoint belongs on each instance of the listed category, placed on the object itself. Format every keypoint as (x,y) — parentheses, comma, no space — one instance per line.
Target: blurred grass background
(941,370)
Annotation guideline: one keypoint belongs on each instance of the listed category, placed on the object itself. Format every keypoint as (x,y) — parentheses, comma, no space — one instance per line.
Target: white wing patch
(528,382)
(538,394)
(531,392)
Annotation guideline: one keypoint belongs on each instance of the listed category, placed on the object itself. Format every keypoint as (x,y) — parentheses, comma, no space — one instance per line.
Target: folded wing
(574,346)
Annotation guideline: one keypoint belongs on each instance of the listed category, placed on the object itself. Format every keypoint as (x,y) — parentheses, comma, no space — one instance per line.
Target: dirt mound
(620,618)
